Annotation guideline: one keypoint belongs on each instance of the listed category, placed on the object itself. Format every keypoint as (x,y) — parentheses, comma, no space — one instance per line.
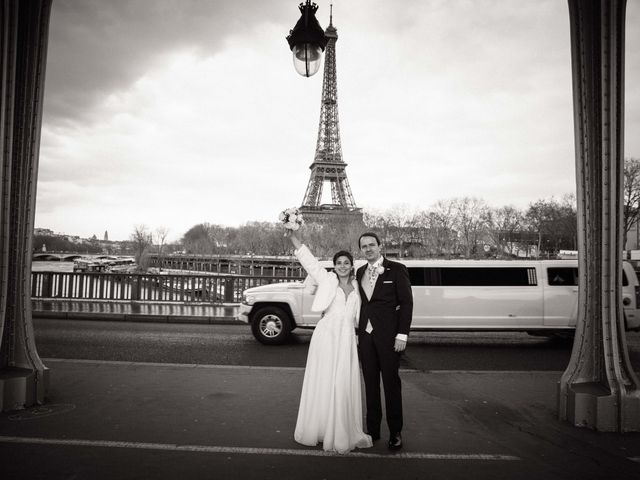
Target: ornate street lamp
(307,41)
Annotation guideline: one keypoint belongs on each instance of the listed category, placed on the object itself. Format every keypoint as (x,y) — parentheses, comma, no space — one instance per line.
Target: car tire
(271,325)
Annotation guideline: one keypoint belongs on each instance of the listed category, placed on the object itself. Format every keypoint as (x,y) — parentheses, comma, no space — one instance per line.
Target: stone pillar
(23,50)
(599,389)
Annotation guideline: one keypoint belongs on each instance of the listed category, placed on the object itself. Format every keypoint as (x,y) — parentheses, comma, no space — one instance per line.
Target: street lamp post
(307,41)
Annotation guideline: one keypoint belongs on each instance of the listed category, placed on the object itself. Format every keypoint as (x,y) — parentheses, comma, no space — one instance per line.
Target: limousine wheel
(271,325)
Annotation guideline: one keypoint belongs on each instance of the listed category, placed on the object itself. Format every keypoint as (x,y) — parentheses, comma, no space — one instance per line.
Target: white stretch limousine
(535,296)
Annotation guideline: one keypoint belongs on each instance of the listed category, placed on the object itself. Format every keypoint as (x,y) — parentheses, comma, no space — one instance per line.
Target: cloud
(176,113)
(98,47)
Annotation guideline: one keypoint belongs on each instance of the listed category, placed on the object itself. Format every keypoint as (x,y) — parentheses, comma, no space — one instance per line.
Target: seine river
(52,266)
(39,266)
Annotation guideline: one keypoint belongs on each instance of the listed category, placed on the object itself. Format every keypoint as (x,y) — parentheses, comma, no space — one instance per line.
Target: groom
(383,329)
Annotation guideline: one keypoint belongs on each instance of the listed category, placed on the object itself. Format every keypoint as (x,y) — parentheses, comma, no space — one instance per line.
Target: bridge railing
(250,265)
(146,287)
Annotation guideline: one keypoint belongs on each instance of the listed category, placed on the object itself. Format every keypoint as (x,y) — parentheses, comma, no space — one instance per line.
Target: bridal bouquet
(291,218)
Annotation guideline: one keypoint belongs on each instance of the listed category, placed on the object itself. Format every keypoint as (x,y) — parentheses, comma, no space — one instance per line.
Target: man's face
(370,249)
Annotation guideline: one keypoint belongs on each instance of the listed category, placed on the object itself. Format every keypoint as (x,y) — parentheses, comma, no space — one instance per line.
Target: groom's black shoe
(375,436)
(395,441)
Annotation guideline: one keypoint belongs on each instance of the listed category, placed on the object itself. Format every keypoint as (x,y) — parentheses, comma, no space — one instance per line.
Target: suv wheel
(271,325)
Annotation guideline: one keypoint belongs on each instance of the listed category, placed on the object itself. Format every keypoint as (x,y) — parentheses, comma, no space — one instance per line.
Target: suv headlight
(248,299)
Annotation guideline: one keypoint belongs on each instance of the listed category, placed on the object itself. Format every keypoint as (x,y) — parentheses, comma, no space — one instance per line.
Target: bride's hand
(291,235)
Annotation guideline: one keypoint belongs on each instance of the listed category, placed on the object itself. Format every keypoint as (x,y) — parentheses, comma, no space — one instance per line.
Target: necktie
(373,275)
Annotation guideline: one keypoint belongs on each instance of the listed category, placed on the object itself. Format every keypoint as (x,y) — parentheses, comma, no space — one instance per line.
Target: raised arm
(291,235)
(306,258)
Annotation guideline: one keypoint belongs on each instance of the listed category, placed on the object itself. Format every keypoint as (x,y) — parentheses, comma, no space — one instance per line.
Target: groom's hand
(400,345)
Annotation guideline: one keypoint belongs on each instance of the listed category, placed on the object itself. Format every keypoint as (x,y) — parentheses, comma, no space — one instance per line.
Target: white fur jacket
(327,281)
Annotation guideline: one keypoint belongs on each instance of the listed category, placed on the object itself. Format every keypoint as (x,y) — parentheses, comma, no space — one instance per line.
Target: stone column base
(592,405)
(19,387)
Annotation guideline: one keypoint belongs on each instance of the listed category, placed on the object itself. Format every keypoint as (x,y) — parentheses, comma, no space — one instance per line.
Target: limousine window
(473,276)
(569,276)
(562,276)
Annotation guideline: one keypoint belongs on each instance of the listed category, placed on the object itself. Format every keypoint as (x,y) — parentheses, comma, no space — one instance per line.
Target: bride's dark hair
(342,253)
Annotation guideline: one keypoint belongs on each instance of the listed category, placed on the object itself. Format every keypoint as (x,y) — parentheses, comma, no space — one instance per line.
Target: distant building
(106,236)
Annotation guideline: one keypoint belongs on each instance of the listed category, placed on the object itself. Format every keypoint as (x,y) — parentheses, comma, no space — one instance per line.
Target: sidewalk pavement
(206,313)
(121,420)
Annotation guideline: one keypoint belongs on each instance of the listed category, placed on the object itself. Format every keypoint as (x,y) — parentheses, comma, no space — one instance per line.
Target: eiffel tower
(328,165)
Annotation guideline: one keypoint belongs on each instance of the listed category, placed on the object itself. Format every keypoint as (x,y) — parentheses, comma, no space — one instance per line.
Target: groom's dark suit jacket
(391,305)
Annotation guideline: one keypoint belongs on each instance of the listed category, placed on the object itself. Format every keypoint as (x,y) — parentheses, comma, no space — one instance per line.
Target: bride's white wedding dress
(331,401)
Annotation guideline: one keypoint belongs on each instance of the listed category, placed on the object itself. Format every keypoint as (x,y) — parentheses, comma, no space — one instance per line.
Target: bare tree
(251,236)
(449,227)
(421,243)
(539,217)
(554,223)
(631,195)
(401,220)
(326,238)
(568,223)
(202,239)
(441,222)
(378,222)
(471,222)
(161,238)
(142,240)
(256,238)
(504,224)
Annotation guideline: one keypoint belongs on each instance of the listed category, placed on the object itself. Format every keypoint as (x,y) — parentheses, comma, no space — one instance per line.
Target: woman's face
(343,267)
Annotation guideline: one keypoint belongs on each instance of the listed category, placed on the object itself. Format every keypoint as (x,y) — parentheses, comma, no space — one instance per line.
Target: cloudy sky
(168,113)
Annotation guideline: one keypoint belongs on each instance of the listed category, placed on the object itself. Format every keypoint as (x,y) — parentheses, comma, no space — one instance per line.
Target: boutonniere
(380,269)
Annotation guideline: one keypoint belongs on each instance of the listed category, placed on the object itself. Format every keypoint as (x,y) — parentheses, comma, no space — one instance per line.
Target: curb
(137,317)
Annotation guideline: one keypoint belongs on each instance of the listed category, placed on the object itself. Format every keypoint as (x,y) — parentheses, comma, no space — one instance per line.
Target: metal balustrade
(146,287)
(269,266)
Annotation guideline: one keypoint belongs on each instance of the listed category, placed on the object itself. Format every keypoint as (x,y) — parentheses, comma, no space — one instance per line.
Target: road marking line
(257,367)
(252,450)
(499,372)
(160,364)
(183,365)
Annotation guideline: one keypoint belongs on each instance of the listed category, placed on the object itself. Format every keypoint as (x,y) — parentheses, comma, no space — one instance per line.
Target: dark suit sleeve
(405,299)
(362,298)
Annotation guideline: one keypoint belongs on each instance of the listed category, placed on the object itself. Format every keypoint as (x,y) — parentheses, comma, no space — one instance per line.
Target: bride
(330,403)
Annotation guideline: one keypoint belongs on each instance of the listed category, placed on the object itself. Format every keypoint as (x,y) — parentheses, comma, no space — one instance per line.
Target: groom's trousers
(378,357)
